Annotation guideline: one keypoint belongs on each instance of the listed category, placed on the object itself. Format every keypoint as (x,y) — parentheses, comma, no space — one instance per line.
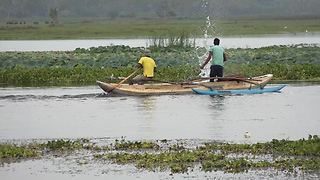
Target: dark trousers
(216,71)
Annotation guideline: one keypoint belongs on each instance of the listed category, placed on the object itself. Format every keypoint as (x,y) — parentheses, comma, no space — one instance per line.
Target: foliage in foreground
(303,154)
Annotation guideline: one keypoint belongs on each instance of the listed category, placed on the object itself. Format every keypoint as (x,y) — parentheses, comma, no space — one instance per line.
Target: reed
(182,40)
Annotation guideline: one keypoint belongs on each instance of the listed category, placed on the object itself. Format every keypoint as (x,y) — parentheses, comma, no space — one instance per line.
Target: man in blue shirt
(218,56)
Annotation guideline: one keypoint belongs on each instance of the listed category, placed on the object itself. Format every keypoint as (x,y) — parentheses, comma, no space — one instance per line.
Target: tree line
(24,9)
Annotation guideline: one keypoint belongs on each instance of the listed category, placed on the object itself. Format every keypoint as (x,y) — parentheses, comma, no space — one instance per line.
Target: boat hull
(241,91)
(166,88)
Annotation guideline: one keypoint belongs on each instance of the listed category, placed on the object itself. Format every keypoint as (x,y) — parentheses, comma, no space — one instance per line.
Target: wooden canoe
(185,88)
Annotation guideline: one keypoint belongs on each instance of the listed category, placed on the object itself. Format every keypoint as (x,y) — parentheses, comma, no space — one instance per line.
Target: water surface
(36,114)
(226,42)
(75,112)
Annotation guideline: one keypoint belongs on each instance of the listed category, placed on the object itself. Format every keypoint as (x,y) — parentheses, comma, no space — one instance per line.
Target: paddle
(124,80)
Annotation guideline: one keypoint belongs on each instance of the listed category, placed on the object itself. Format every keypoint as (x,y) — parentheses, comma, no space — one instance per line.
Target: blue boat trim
(241,91)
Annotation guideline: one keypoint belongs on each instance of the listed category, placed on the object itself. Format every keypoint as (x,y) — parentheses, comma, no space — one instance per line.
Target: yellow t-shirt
(148,66)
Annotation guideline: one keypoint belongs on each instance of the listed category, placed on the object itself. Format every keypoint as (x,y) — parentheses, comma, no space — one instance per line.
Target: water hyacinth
(287,155)
(13,151)
(174,62)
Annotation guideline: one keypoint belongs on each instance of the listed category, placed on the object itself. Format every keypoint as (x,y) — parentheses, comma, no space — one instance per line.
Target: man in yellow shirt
(149,67)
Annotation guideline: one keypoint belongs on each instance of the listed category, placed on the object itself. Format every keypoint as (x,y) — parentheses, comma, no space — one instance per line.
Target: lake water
(30,114)
(44,113)
(226,42)
(76,112)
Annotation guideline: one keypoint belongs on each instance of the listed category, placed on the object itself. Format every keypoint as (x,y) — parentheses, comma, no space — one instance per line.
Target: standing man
(149,67)
(218,56)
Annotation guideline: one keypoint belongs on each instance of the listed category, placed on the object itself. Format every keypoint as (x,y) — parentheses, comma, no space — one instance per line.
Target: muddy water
(44,113)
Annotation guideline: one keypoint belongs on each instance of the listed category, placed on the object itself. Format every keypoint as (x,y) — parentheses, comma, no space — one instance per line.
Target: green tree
(166,9)
(54,14)
(113,14)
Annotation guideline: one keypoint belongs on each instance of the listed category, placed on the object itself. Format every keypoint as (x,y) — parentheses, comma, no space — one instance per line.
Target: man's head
(147,53)
(216,41)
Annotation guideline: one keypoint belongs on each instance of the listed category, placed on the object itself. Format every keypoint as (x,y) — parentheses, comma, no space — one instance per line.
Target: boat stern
(265,79)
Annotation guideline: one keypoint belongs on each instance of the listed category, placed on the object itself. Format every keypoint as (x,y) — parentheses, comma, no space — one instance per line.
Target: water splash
(206,36)
(202,58)
(212,13)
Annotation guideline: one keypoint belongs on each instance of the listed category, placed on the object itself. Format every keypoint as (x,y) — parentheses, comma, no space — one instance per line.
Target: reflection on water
(217,102)
(147,103)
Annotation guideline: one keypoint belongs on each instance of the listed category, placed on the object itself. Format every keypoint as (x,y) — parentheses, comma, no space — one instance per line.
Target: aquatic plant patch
(297,54)
(97,57)
(217,157)
(304,147)
(13,151)
(175,63)
(124,145)
(88,74)
(283,155)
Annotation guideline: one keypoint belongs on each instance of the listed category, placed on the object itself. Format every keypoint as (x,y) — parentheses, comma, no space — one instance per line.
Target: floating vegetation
(309,147)
(292,156)
(13,151)
(175,63)
(124,145)
(284,62)
(88,74)
(65,145)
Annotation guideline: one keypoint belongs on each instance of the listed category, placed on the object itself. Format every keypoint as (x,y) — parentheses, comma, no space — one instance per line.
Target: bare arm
(139,65)
(155,69)
(208,59)
(224,57)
